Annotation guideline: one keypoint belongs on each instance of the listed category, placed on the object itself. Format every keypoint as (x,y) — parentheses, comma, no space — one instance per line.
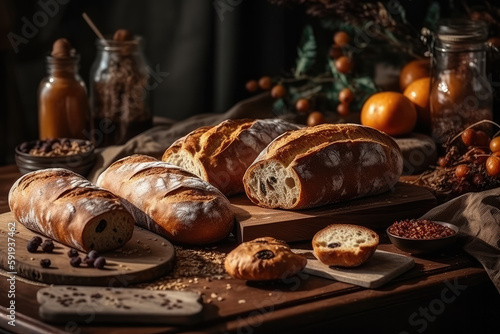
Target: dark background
(209,53)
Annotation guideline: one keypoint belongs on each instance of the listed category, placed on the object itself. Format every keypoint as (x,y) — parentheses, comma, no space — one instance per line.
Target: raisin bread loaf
(263,259)
(221,154)
(323,164)
(64,206)
(168,200)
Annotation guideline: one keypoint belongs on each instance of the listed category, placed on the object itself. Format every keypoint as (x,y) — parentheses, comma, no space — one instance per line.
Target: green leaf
(279,107)
(306,52)
(432,16)
(364,87)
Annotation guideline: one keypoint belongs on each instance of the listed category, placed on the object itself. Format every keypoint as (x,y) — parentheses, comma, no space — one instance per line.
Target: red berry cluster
(343,64)
(474,161)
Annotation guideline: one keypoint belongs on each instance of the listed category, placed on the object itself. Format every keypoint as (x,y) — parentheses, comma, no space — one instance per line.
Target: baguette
(221,154)
(345,245)
(168,200)
(323,164)
(64,206)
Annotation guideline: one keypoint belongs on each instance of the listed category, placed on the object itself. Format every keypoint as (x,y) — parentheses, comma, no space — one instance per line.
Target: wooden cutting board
(404,201)
(145,257)
(378,270)
(62,304)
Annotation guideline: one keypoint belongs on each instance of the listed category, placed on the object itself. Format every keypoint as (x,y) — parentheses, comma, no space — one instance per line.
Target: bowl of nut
(76,155)
(421,236)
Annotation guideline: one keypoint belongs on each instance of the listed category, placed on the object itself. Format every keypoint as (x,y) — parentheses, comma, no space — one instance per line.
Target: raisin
(36,239)
(264,255)
(273,179)
(32,246)
(100,262)
(101,226)
(334,245)
(72,252)
(48,246)
(89,262)
(93,254)
(45,263)
(75,261)
(263,188)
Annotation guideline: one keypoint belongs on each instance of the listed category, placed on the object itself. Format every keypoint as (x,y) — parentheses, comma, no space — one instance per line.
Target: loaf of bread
(263,259)
(64,206)
(221,154)
(323,164)
(168,200)
(344,245)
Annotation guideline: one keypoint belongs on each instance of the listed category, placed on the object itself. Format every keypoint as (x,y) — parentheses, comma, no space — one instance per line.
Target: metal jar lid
(461,35)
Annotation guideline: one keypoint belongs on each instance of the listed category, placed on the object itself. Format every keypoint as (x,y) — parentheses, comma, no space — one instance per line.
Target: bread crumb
(270,294)
(213,295)
(242,301)
(209,301)
(228,286)
(220,298)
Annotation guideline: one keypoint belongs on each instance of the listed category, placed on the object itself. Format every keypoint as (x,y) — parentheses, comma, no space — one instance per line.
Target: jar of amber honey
(63,106)
(461,94)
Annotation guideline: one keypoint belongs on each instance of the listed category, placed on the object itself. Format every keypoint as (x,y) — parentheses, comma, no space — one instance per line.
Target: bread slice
(344,245)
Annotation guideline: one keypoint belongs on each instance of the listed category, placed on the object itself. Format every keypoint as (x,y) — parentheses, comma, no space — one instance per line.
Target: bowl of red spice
(421,236)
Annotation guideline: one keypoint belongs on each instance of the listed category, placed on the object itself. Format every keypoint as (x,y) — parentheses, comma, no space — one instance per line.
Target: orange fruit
(390,112)
(418,93)
(412,71)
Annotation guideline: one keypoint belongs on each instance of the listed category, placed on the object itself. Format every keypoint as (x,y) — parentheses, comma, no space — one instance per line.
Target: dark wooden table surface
(446,292)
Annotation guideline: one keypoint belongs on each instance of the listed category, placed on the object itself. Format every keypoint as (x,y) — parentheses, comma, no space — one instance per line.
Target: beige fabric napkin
(478,217)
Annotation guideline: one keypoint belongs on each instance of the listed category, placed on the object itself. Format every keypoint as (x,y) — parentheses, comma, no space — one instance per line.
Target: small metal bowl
(79,163)
(423,246)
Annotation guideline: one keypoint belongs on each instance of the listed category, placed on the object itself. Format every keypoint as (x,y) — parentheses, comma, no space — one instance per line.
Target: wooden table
(446,292)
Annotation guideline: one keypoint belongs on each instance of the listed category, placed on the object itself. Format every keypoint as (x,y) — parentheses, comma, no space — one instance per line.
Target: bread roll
(64,206)
(344,245)
(323,164)
(263,259)
(168,200)
(221,154)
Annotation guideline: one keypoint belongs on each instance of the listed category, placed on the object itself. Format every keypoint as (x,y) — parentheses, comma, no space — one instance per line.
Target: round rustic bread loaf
(263,259)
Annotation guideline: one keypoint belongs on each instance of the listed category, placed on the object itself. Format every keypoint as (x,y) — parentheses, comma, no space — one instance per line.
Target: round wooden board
(143,258)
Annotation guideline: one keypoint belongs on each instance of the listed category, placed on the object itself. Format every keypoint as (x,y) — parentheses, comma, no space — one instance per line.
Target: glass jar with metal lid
(461,93)
(119,91)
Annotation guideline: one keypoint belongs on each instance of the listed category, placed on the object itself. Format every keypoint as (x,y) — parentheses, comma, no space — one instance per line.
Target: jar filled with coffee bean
(119,90)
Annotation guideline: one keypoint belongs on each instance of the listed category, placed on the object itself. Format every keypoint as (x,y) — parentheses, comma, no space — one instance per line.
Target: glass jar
(461,94)
(119,96)
(63,107)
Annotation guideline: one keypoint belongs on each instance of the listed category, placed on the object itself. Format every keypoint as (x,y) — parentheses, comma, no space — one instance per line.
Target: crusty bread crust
(221,154)
(168,200)
(277,260)
(356,244)
(64,206)
(323,164)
